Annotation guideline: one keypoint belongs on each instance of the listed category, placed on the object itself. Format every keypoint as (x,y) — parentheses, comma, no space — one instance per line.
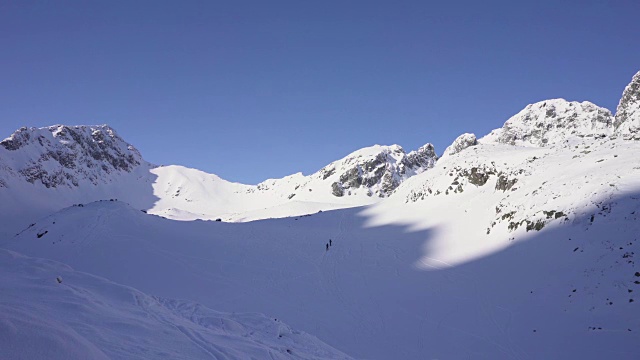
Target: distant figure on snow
(327,247)
(330,242)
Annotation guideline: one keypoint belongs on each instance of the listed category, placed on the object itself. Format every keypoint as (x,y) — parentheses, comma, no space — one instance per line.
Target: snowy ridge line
(44,170)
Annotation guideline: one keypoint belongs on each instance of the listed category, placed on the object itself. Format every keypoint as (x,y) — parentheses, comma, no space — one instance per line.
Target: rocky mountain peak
(63,155)
(425,157)
(552,121)
(627,120)
(378,169)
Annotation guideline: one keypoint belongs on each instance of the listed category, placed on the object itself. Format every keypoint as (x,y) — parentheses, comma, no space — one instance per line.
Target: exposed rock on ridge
(627,120)
(65,155)
(378,169)
(552,122)
(460,143)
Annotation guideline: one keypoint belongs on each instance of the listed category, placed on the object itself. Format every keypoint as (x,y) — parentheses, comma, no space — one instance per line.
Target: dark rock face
(352,178)
(68,154)
(478,176)
(327,172)
(425,157)
(627,120)
(504,183)
(17,140)
(389,183)
(101,146)
(337,190)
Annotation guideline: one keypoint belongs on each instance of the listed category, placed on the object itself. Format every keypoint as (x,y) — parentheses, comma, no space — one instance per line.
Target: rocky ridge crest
(552,122)
(63,155)
(627,120)
(380,172)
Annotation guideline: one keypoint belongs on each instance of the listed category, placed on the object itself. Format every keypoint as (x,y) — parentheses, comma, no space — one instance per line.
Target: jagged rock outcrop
(425,157)
(460,143)
(627,120)
(89,157)
(553,122)
(377,170)
(65,155)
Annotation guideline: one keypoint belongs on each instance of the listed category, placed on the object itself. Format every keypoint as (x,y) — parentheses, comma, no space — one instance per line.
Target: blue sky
(251,90)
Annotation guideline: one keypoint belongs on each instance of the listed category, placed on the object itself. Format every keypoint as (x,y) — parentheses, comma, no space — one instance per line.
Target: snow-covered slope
(520,189)
(443,277)
(44,170)
(551,163)
(74,315)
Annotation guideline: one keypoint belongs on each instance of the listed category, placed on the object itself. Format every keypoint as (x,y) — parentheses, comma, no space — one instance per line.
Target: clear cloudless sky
(251,90)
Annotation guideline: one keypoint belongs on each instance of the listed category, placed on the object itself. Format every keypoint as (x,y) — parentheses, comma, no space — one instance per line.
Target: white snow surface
(74,315)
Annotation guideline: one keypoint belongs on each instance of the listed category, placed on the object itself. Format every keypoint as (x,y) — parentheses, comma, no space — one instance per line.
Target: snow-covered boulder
(460,143)
(627,120)
(551,122)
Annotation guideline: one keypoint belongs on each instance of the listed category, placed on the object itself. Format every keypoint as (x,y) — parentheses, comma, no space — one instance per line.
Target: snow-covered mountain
(529,256)
(47,169)
(552,122)
(518,245)
(59,155)
(556,121)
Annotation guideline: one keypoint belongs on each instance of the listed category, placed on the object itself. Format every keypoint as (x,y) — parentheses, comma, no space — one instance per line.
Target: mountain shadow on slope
(564,291)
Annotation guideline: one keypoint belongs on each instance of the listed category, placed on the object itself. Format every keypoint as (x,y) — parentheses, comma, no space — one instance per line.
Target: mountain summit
(63,155)
(377,169)
(88,163)
(555,121)
(551,122)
